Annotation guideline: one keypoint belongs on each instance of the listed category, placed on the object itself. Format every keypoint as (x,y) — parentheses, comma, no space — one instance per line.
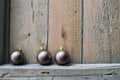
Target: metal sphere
(62,57)
(17,57)
(44,57)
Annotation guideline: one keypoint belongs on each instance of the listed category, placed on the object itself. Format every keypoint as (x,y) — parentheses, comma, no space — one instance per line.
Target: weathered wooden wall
(88,29)
(28,26)
(101,31)
(65,27)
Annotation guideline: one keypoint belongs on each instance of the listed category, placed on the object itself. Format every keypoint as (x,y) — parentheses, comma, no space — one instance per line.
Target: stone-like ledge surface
(35,70)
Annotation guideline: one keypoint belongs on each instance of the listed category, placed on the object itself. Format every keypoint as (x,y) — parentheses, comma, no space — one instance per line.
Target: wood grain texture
(55,72)
(63,78)
(2,9)
(27,78)
(87,78)
(65,27)
(28,26)
(101,31)
(35,70)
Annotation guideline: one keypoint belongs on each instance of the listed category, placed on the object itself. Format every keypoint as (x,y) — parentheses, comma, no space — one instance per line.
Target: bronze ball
(44,57)
(62,57)
(17,57)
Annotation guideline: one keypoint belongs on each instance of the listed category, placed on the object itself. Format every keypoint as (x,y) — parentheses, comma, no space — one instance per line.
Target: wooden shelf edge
(33,70)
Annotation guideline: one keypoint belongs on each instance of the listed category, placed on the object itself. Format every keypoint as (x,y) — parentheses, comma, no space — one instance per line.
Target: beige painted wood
(65,27)
(28,26)
(2,9)
(101,31)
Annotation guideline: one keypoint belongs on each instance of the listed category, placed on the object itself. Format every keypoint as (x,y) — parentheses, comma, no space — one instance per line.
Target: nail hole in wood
(45,73)
(29,34)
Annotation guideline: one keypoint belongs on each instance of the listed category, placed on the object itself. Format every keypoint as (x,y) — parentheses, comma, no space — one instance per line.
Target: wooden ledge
(33,70)
(55,66)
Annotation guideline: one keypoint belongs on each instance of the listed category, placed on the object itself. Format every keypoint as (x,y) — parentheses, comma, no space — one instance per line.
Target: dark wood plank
(2,10)
(7,31)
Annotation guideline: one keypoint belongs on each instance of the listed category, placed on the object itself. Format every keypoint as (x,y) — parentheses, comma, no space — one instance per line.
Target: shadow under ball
(17,57)
(62,57)
(44,57)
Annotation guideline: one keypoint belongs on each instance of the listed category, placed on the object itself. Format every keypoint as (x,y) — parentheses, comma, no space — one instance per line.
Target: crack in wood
(4,75)
(111,73)
(63,34)
(32,11)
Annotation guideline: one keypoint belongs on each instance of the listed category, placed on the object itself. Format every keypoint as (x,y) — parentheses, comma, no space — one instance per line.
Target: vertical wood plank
(101,33)
(28,26)
(2,8)
(65,27)
(7,31)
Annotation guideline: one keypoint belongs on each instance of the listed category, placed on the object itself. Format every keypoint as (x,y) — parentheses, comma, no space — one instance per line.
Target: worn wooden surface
(65,27)
(87,78)
(101,31)
(27,78)
(99,23)
(64,78)
(2,9)
(35,70)
(88,30)
(28,26)
(55,72)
